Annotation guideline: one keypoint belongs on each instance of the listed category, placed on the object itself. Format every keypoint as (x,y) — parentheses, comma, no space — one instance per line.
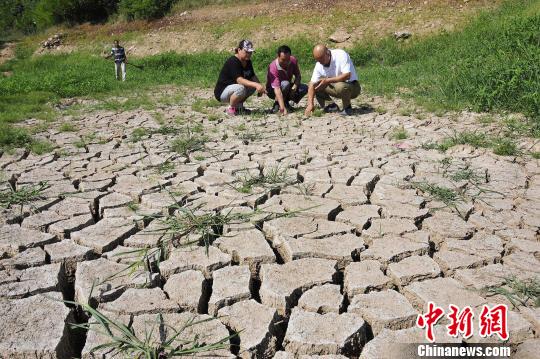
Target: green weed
(122,340)
(23,195)
(519,292)
(40,147)
(399,133)
(189,143)
(165,167)
(138,134)
(505,146)
(67,127)
(269,178)
(202,105)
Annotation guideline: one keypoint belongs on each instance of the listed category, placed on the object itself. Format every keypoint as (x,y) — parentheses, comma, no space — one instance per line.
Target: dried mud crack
(319,236)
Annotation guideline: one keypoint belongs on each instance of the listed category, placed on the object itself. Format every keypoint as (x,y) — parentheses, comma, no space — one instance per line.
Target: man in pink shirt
(279,81)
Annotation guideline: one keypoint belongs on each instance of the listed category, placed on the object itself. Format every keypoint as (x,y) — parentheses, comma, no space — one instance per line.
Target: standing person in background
(237,80)
(333,76)
(120,60)
(279,81)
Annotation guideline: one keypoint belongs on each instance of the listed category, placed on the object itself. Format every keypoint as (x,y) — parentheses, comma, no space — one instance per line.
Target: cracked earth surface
(336,257)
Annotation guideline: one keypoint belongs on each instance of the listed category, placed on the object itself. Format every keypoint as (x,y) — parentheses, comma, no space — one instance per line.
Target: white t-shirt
(340,63)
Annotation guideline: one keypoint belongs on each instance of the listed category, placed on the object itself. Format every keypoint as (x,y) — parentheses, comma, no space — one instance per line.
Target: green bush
(144,9)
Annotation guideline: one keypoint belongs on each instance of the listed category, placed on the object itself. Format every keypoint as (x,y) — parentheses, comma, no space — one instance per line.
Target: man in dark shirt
(120,60)
(237,80)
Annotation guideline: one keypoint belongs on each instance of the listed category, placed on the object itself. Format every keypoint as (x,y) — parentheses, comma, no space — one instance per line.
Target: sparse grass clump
(271,177)
(188,143)
(122,340)
(202,105)
(165,167)
(138,134)
(399,134)
(40,147)
(67,127)
(442,194)
(519,292)
(23,195)
(503,146)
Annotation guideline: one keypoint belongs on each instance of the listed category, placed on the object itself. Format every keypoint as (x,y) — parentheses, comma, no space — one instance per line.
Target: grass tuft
(23,195)
(519,292)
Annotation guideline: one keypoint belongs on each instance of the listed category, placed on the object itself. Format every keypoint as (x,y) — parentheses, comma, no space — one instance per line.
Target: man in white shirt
(333,76)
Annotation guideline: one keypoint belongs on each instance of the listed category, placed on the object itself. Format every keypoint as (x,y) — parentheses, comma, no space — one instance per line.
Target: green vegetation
(122,340)
(399,133)
(270,177)
(23,195)
(518,291)
(28,16)
(138,134)
(67,127)
(188,142)
(202,105)
(503,145)
(493,63)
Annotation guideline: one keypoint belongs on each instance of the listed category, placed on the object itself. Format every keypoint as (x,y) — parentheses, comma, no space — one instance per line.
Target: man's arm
(280,100)
(330,80)
(310,99)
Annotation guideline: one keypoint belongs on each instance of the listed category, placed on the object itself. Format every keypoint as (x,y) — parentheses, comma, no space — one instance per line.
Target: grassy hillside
(492,64)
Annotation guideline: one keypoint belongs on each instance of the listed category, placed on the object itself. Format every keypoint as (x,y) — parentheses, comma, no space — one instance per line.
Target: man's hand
(293,89)
(283,111)
(322,84)
(260,89)
(309,110)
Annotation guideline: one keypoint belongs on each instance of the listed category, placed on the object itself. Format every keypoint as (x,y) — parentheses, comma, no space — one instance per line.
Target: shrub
(144,9)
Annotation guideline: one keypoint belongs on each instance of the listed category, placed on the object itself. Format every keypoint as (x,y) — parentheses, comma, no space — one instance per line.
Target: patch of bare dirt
(7,52)
(220,27)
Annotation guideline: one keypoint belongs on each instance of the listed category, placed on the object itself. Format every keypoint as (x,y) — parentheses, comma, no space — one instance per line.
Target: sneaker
(243,111)
(331,108)
(347,111)
(275,108)
(231,111)
(289,107)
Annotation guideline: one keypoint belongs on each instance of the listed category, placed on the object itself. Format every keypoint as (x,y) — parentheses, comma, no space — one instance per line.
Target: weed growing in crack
(40,147)
(138,134)
(448,196)
(272,177)
(442,194)
(85,140)
(519,292)
(165,167)
(188,143)
(67,127)
(399,133)
(306,189)
(503,146)
(23,195)
(201,105)
(122,340)
(133,206)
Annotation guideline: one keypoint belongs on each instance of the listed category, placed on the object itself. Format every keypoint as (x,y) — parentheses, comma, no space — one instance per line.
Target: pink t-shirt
(276,74)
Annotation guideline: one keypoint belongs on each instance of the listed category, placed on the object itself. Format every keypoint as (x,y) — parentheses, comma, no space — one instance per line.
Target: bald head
(322,54)
(319,51)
